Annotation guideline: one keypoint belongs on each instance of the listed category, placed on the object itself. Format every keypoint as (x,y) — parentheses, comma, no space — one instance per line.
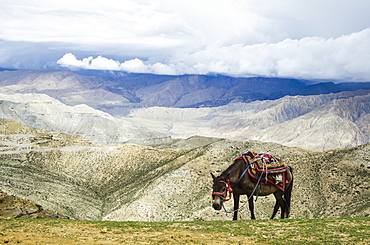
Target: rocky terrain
(142,147)
(42,111)
(15,207)
(316,122)
(75,177)
(145,109)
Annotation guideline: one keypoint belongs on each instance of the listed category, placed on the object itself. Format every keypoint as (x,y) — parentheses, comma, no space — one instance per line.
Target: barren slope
(42,111)
(312,122)
(82,180)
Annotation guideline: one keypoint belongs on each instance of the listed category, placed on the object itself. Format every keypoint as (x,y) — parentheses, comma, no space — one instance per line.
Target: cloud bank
(346,57)
(305,39)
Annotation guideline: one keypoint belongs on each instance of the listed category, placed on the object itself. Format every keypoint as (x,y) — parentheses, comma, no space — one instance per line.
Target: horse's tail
(288,194)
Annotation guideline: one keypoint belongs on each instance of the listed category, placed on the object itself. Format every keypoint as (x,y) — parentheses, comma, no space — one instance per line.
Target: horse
(237,181)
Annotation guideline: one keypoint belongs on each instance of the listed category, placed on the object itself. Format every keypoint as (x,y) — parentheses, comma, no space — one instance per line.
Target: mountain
(144,108)
(133,90)
(312,122)
(75,177)
(62,135)
(42,111)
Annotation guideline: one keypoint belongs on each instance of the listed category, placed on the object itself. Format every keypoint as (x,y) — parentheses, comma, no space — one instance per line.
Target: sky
(305,39)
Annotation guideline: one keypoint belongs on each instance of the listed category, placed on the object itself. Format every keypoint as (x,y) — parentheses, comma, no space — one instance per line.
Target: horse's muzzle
(217,204)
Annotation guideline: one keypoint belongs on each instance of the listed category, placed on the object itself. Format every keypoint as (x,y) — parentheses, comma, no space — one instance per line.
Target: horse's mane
(231,169)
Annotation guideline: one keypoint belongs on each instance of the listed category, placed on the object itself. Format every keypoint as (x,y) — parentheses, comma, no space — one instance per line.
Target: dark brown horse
(237,181)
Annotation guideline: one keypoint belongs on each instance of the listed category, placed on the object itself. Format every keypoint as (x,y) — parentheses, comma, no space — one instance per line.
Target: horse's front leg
(251,206)
(236,206)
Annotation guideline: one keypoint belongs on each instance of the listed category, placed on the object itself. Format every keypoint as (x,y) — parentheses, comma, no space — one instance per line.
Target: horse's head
(221,185)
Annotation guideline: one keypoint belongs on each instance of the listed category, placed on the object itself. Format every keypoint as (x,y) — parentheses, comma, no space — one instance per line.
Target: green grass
(289,231)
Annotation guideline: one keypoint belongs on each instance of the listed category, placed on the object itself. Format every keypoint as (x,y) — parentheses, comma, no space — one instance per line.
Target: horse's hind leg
(288,195)
(280,202)
(251,206)
(276,208)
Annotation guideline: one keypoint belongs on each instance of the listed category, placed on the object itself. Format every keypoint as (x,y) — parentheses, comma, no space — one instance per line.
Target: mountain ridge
(309,122)
(304,121)
(155,90)
(144,108)
(170,181)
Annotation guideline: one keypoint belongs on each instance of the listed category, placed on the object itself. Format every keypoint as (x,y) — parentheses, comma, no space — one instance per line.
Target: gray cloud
(307,39)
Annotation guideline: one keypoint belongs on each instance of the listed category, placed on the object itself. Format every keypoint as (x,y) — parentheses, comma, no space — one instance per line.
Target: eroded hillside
(74,177)
(318,122)
(311,122)
(142,109)
(15,207)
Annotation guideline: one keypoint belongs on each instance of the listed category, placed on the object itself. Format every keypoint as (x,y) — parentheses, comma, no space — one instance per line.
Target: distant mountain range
(147,108)
(187,91)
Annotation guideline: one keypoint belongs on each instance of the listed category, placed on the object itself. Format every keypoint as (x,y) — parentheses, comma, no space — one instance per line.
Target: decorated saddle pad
(272,169)
(278,180)
(264,162)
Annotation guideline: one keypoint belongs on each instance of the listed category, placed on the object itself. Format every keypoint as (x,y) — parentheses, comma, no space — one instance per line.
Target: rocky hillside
(170,181)
(144,108)
(317,122)
(42,111)
(15,207)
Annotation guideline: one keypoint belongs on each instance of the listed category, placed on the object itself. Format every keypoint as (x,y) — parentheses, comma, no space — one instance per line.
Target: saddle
(265,163)
(272,169)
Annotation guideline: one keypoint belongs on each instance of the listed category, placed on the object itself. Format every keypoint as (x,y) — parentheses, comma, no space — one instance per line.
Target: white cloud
(135,65)
(69,60)
(345,57)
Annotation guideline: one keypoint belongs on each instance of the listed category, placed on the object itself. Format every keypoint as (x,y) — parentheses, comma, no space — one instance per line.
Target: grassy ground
(290,231)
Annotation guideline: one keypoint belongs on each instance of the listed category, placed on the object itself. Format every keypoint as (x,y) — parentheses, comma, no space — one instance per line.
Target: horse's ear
(213,176)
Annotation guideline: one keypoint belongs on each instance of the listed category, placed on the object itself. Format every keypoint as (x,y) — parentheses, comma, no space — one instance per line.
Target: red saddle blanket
(272,169)
(264,162)
(278,180)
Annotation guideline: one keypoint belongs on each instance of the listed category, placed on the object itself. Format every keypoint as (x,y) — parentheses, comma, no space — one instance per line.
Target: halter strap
(223,195)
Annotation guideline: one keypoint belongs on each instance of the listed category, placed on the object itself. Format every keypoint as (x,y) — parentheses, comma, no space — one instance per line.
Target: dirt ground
(32,232)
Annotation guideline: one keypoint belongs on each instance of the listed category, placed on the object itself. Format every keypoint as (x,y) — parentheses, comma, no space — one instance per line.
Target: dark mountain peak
(174,91)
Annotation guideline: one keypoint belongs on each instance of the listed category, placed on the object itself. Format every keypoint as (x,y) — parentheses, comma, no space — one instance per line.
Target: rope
(251,196)
(241,176)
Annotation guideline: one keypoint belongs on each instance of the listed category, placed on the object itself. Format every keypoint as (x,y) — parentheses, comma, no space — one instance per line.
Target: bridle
(223,195)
